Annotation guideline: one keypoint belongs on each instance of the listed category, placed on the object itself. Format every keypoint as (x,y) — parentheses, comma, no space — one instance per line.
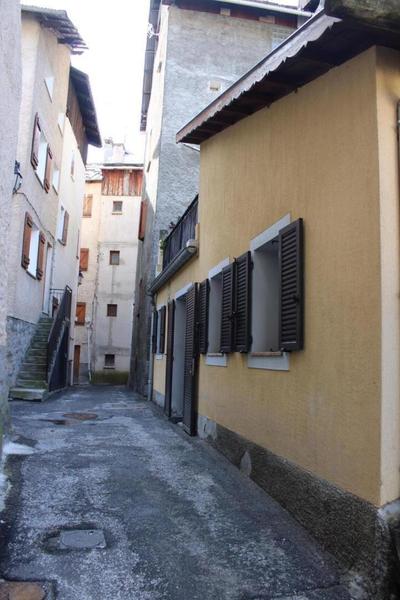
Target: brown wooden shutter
(142,220)
(170,356)
(242,324)
(87,205)
(40,260)
(291,313)
(84,259)
(26,241)
(80,313)
(35,142)
(204,295)
(228,283)
(154,332)
(65,228)
(48,171)
(161,345)
(190,362)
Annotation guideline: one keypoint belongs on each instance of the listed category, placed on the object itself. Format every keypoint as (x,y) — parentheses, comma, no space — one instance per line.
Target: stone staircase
(31,382)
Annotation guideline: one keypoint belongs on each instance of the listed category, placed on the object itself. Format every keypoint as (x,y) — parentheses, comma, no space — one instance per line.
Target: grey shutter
(161,345)
(170,358)
(242,323)
(204,294)
(228,282)
(291,312)
(190,364)
(154,332)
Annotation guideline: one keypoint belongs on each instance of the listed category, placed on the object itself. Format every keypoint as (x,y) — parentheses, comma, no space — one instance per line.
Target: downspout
(89,350)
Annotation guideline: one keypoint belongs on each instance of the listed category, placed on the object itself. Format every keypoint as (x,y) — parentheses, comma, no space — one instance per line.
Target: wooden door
(191,359)
(170,358)
(77,362)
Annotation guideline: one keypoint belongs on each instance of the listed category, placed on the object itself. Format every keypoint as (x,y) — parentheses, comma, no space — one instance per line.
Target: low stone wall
(357,534)
(111,377)
(19,335)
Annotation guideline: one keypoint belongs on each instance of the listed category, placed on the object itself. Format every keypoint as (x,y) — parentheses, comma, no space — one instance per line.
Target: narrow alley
(159,515)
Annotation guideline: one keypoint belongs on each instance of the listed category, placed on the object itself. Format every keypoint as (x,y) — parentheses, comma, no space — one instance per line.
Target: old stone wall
(19,335)
(10,72)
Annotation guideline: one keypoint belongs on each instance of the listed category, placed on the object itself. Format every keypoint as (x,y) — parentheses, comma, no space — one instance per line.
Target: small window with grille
(114,257)
(109,361)
(112,310)
(117,207)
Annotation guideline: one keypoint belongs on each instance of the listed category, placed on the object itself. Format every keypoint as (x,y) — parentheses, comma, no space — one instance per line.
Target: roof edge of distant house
(59,22)
(83,90)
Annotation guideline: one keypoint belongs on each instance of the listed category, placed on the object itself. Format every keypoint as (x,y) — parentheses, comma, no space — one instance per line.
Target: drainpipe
(151,365)
(89,350)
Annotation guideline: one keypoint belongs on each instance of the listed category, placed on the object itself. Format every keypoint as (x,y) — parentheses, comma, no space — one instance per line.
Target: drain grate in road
(82,539)
(81,416)
(10,590)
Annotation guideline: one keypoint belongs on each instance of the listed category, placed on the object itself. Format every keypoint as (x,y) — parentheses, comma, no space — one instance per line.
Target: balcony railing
(184,230)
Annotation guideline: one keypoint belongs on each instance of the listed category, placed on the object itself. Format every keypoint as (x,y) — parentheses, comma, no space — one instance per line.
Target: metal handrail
(62,317)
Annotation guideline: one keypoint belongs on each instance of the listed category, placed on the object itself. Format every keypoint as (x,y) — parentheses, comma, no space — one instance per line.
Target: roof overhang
(321,44)
(250,6)
(81,84)
(58,22)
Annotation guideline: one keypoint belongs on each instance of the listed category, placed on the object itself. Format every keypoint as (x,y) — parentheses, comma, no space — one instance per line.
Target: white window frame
(42,158)
(60,227)
(216,359)
(280,362)
(33,251)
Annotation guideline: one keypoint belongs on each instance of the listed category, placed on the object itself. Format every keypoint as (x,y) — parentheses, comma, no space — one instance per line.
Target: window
(33,248)
(214,322)
(49,81)
(114,257)
(41,155)
(112,310)
(277,302)
(42,158)
(235,305)
(87,205)
(80,313)
(62,229)
(56,178)
(142,220)
(84,259)
(109,361)
(117,207)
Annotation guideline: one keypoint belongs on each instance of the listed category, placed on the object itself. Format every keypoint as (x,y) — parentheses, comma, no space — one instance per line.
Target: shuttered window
(204,294)
(161,332)
(291,311)
(190,361)
(84,259)
(35,142)
(80,313)
(26,242)
(154,332)
(143,220)
(87,205)
(48,170)
(242,303)
(227,308)
(65,228)
(40,259)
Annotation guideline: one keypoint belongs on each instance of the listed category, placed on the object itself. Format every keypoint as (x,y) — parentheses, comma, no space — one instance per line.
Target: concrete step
(31,383)
(37,375)
(40,361)
(23,393)
(34,352)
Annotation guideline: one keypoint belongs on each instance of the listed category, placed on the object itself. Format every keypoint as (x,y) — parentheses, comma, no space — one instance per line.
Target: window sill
(31,274)
(116,213)
(216,359)
(159,356)
(109,368)
(269,361)
(267,354)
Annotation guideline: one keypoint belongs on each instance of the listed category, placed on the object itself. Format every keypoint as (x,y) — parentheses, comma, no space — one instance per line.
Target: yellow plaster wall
(314,154)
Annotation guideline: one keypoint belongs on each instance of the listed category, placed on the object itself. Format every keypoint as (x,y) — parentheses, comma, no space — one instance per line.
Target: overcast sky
(115,31)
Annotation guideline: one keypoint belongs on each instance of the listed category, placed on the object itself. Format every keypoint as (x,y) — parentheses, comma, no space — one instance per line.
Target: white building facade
(108,256)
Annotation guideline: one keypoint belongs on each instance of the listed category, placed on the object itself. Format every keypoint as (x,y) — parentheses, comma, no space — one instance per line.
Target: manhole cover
(81,416)
(21,591)
(82,539)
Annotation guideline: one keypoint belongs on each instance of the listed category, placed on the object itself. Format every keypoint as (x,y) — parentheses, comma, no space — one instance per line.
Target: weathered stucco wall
(10,97)
(314,155)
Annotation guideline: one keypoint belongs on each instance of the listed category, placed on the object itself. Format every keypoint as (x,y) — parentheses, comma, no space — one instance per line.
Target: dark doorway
(190,364)
(170,358)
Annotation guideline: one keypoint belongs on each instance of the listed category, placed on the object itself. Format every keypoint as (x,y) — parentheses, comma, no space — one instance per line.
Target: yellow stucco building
(307,148)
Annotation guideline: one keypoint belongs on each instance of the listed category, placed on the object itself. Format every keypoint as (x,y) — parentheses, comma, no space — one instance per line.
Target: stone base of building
(111,377)
(19,335)
(361,537)
(4,408)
